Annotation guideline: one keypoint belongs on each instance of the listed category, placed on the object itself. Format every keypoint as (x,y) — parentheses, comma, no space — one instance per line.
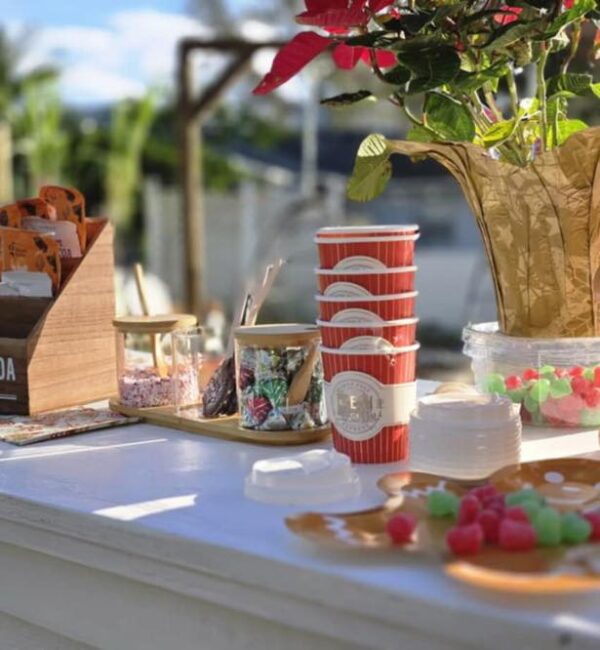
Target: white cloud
(89,83)
(99,65)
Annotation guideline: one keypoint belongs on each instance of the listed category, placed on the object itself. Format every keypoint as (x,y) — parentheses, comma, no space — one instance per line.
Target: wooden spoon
(157,354)
(301,381)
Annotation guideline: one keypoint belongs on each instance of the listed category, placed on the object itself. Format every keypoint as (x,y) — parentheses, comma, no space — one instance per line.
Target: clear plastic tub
(556,381)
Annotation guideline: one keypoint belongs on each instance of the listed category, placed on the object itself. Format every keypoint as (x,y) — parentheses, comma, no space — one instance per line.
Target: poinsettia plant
(459,60)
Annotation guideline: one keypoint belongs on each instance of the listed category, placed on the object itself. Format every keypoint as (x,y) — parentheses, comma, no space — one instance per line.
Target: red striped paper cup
(370,396)
(376,283)
(382,335)
(392,307)
(368,231)
(366,253)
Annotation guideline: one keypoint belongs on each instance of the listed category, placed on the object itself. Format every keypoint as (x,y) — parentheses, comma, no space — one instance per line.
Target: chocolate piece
(219,396)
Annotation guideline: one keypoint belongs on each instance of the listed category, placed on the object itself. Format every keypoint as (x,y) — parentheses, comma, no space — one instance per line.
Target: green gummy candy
(441,503)
(548,527)
(588,373)
(517,395)
(590,417)
(547,371)
(575,529)
(524,495)
(540,391)
(494,383)
(560,388)
(531,507)
(530,404)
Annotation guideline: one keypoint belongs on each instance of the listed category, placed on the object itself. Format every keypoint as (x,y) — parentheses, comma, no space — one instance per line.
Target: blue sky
(68,12)
(110,49)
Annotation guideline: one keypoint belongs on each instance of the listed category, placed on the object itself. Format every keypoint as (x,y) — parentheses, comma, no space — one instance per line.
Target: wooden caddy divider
(60,352)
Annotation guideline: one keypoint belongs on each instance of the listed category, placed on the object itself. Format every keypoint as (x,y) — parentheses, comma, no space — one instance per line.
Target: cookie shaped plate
(568,484)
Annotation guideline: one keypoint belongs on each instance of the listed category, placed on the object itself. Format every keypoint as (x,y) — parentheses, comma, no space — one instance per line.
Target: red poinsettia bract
(291,58)
(335,17)
(346,57)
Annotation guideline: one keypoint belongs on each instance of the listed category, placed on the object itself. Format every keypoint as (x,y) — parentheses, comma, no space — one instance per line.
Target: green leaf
(571,85)
(348,99)
(367,40)
(566,128)
(431,67)
(420,134)
(372,169)
(397,76)
(509,34)
(579,9)
(449,118)
(471,81)
(498,133)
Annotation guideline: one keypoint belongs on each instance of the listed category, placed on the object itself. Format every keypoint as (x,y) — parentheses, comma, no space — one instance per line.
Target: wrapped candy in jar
(146,374)
(279,377)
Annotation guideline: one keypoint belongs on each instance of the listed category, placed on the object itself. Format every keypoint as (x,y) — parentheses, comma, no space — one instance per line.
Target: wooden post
(192,113)
(191,183)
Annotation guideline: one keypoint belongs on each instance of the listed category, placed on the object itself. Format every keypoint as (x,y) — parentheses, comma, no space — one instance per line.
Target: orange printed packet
(22,250)
(10,216)
(70,206)
(37,207)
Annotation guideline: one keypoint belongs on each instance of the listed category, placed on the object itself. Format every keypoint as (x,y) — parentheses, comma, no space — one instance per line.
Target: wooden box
(61,352)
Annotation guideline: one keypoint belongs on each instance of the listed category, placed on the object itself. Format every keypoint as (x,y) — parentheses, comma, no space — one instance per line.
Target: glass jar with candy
(147,374)
(556,381)
(279,377)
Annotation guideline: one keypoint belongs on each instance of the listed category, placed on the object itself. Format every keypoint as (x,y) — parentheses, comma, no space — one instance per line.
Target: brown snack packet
(30,251)
(37,207)
(70,206)
(10,216)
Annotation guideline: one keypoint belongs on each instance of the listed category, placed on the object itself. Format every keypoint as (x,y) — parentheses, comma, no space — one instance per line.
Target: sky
(106,49)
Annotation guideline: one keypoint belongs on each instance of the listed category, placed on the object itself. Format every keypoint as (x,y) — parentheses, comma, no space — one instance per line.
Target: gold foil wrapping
(541,229)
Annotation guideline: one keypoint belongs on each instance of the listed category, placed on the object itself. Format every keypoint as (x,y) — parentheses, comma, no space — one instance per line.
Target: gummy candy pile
(517,521)
(264,379)
(552,396)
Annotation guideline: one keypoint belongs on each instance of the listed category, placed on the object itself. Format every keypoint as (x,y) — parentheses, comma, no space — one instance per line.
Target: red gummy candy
(469,509)
(516,535)
(576,371)
(560,372)
(530,373)
(483,493)
(513,382)
(489,520)
(496,503)
(401,527)
(516,513)
(597,376)
(594,519)
(580,385)
(465,540)
(592,397)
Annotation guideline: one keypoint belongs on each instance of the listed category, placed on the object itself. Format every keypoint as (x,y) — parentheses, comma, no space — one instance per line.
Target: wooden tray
(226,428)
(573,485)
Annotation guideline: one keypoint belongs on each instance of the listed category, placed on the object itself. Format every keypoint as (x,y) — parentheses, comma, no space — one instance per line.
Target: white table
(140,537)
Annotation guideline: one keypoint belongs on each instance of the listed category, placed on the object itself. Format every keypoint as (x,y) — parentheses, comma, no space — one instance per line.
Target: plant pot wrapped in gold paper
(540,225)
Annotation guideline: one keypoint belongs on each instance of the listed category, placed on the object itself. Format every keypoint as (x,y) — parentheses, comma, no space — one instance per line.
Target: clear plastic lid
(312,477)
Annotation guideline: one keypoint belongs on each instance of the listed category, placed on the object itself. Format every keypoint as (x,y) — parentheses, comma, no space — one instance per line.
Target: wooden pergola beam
(193,111)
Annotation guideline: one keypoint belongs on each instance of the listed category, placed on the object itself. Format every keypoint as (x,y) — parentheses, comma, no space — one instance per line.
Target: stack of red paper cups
(366,303)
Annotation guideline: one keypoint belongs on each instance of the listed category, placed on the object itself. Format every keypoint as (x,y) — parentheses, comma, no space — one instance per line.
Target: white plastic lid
(466,410)
(312,477)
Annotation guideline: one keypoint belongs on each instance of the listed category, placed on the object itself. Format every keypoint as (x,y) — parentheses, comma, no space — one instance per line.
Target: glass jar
(556,381)
(146,372)
(279,377)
